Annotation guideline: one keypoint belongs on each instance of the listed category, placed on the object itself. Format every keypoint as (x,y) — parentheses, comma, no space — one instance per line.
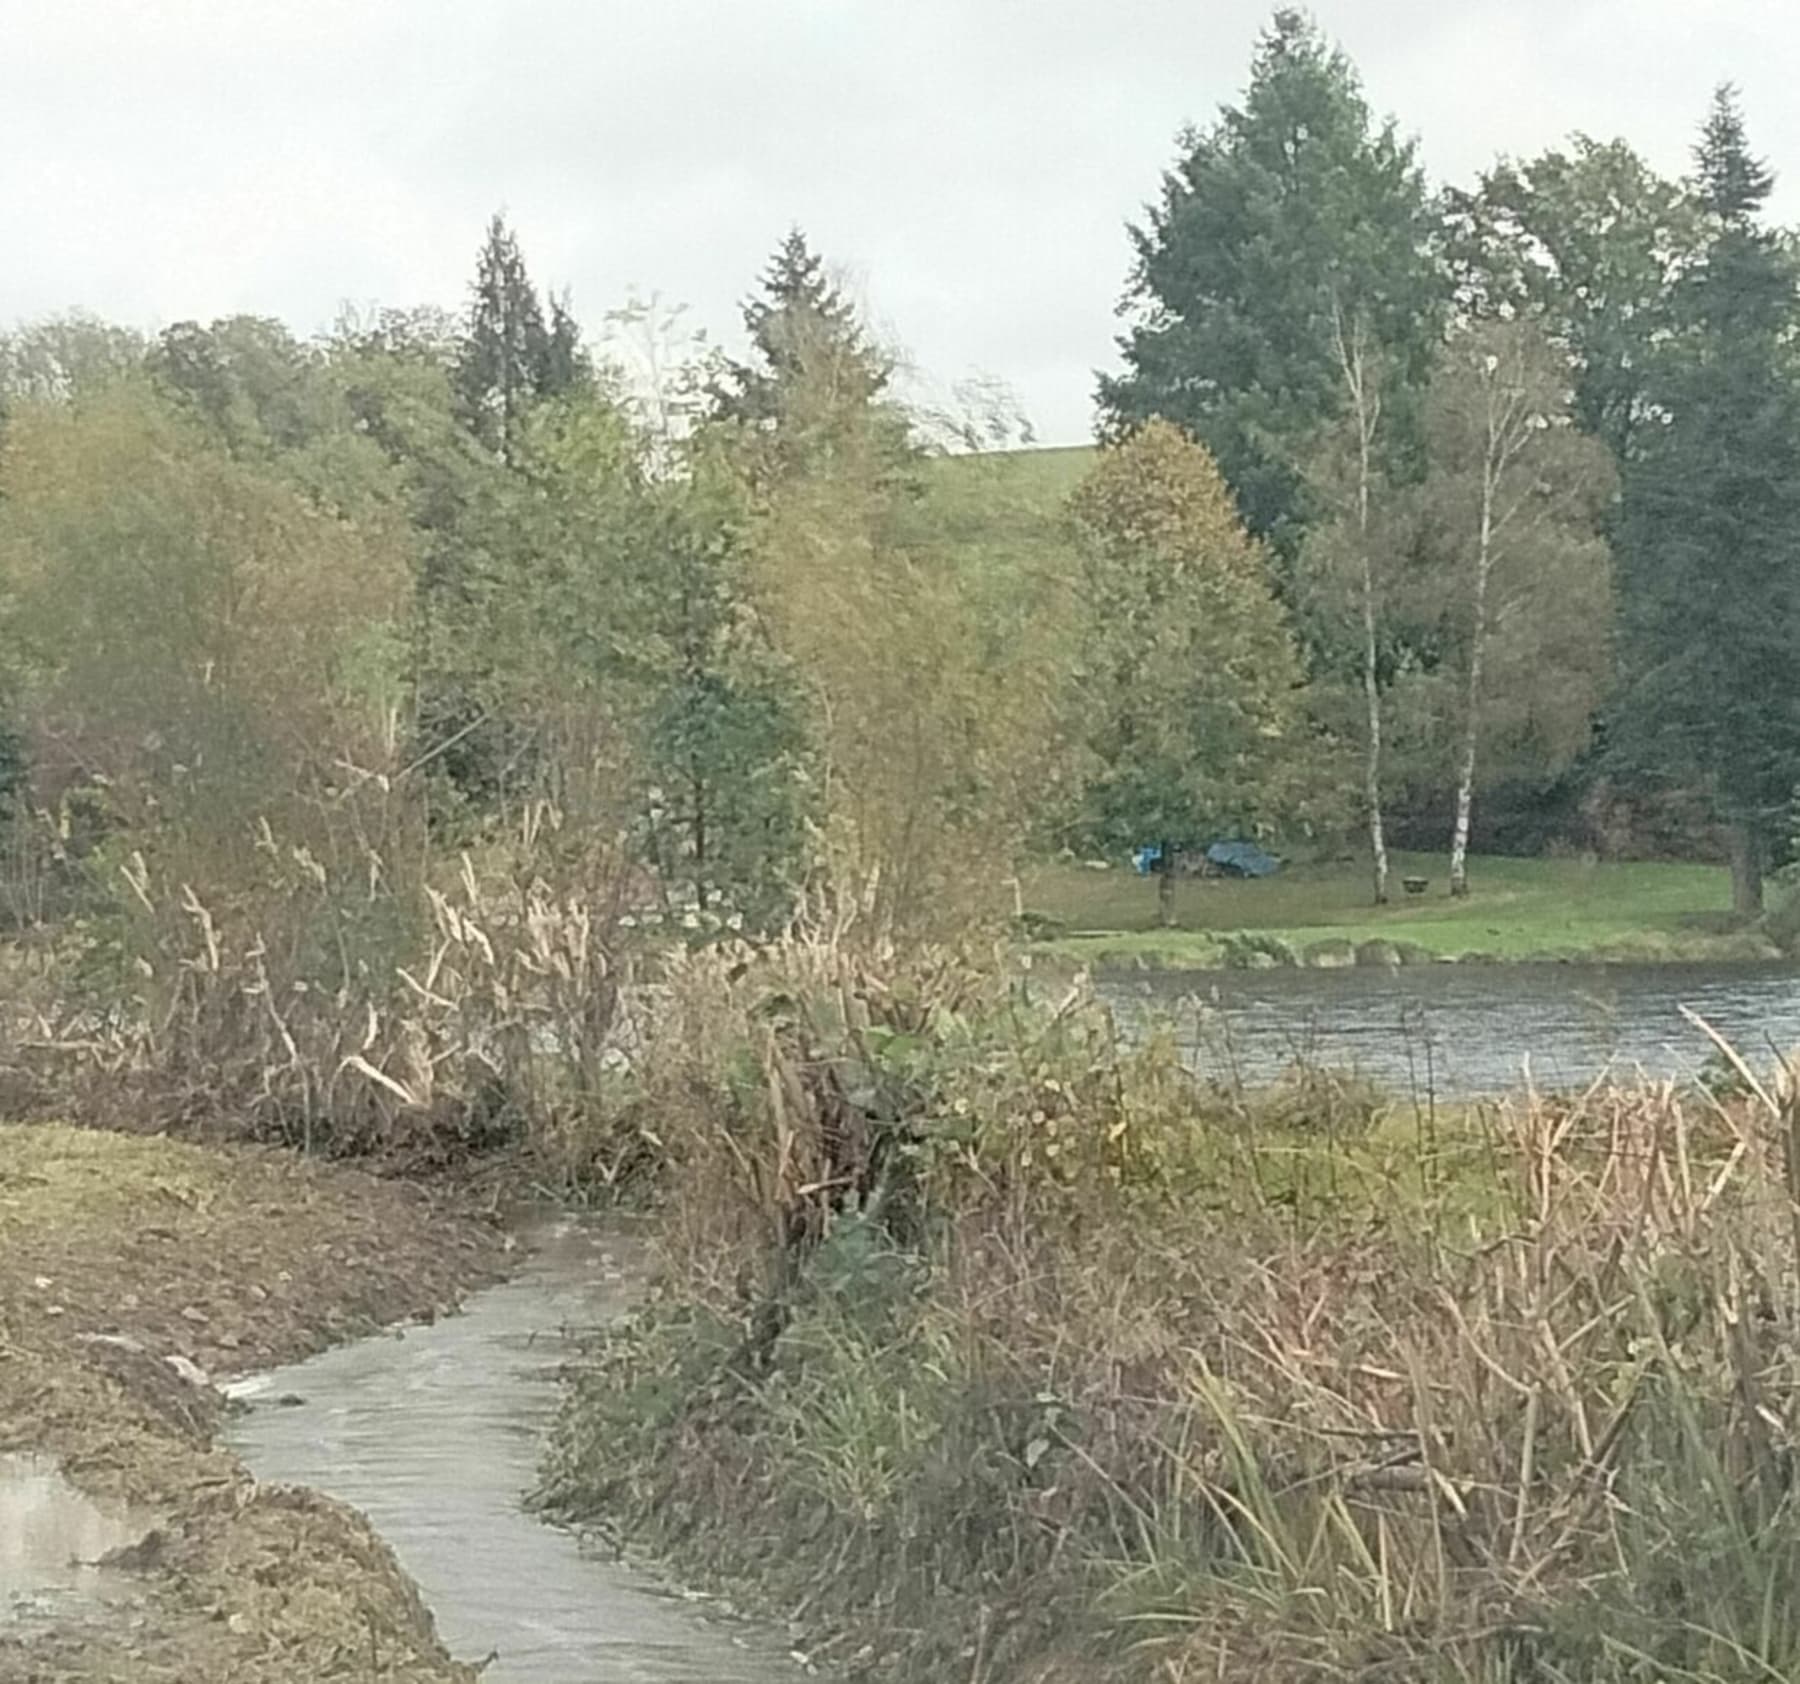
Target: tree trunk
(698,785)
(1365,405)
(1465,779)
(1165,888)
(1459,837)
(1372,764)
(1746,869)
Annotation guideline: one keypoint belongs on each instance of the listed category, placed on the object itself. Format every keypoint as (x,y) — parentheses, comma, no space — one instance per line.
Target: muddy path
(434,1435)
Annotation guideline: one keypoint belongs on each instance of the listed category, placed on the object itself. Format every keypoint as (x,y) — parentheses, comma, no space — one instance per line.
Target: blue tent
(1242,859)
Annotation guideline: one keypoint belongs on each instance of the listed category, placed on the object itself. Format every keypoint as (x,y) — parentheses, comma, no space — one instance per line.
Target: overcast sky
(971,163)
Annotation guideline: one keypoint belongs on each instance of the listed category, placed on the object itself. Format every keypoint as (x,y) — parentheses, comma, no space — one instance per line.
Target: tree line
(1410,504)
(397,589)
(1524,456)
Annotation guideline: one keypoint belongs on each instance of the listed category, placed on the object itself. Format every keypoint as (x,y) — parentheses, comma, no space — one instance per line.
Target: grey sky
(970,162)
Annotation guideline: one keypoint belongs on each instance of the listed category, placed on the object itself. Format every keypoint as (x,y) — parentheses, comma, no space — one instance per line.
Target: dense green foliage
(1712,521)
(1289,227)
(1590,243)
(1191,682)
(1304,308)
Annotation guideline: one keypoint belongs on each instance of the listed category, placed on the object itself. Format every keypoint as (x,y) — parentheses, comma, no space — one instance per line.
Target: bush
(1781,924)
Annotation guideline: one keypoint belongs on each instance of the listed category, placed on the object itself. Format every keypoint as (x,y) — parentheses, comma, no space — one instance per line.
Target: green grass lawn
(1519,909)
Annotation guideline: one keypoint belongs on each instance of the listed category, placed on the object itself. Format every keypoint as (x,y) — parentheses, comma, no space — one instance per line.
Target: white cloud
(975,160)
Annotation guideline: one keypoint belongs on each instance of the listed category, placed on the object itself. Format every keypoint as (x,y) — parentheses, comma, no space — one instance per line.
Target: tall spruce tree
(815,387)
(802,329)
(1289,225)
(1711,574)
(510,357)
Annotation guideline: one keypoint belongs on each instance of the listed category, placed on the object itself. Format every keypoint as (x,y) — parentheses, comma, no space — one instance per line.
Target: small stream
(434,1433)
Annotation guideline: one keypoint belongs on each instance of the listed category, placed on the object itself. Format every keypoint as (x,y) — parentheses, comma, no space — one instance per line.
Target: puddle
(50,1537)
(435,1436)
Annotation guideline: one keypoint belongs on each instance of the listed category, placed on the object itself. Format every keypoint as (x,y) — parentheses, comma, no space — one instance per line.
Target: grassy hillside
(1005,498)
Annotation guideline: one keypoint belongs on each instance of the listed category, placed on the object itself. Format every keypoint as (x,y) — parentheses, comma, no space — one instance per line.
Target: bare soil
(119,1253)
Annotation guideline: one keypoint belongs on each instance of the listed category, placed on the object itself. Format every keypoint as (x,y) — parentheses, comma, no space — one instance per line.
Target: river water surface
(434,1433)
(1464,1030)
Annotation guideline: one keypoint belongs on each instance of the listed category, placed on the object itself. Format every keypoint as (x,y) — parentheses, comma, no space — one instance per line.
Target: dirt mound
(131,1270)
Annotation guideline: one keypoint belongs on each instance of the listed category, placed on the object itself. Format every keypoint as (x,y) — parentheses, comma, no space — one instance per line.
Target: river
(1464,1030)
(434,1433)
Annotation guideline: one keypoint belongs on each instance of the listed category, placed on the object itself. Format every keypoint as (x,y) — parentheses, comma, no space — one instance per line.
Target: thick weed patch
(993,1350)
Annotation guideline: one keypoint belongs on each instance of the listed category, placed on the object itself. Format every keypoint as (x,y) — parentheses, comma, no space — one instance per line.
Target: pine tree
(811,355)
(509,358)
(566,368)
(1285,228)
(1712,524)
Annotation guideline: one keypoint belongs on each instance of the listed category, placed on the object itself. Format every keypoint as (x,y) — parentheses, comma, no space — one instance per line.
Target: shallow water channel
(1464,1030)
(52,1539)
(434,1433)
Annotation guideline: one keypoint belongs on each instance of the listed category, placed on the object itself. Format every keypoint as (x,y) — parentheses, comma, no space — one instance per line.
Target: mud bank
(132,1268)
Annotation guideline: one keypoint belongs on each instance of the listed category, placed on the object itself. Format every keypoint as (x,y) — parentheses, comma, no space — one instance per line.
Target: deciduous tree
(1191,677)
(1513,508)
(1589,242)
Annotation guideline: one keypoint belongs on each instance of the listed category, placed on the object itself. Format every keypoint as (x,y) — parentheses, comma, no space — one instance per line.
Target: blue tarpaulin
(1234,859)
(1242,859)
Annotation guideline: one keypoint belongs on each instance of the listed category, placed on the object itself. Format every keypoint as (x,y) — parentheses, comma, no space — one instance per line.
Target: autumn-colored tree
(930,657)
(1191,677)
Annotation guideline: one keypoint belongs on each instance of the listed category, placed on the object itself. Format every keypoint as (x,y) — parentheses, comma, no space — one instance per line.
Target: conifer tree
(1288,226)
(510,357)
(1711,561)
(804,334)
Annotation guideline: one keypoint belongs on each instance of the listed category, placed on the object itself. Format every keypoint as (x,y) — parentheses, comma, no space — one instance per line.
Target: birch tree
(1347,570)
(1362,391)
(1514,501)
